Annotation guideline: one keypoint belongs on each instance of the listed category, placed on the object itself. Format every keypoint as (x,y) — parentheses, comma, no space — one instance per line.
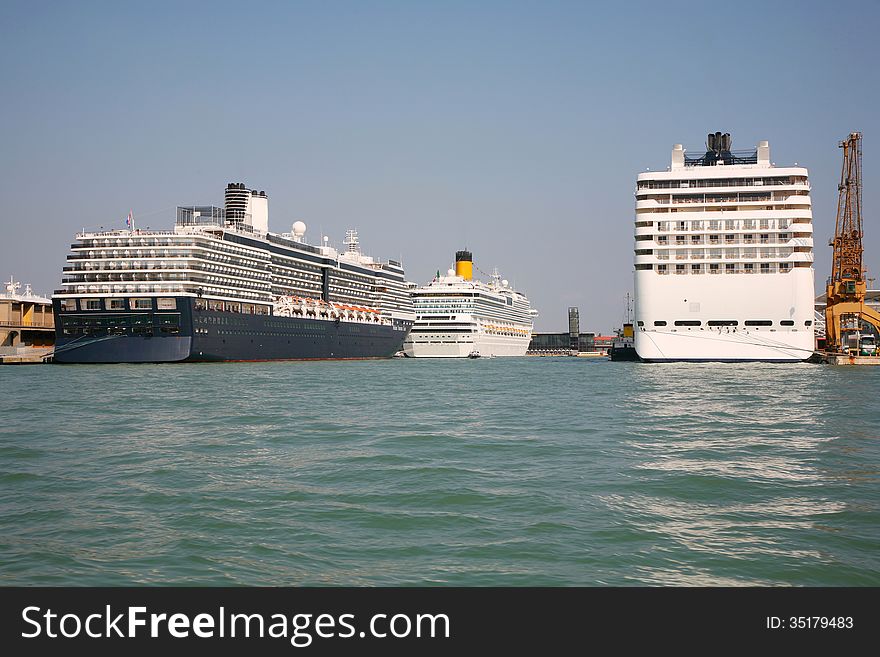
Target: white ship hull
(742,298)
(442,346)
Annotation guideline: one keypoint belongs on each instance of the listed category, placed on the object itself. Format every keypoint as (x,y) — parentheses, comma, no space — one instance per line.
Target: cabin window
(722,322)
(215,305)
(659,322)
(68,304)
(758,322)
(809,322)
(640,323)
(93,304)
(687,322)
(115,304)
(166,304)
(141,304)
(787,322)
(201,304)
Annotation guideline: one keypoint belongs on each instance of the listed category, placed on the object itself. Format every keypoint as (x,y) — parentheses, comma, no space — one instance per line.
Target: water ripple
(502,472)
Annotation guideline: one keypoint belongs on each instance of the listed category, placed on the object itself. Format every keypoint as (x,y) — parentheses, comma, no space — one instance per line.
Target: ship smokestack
(464,264)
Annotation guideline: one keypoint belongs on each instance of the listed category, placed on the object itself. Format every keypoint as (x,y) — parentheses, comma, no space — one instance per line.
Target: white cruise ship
(724,258)
(459,317)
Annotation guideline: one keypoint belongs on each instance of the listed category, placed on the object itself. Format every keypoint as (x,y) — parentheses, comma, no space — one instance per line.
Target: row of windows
(727,322)
(231,307)
(746,238)
(117,303)
(722,182)
(747,197)
(725,209)
(718,254)
(726,224)
(729,268)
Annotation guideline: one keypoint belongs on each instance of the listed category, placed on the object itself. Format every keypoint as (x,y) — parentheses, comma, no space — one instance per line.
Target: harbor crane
(845,292)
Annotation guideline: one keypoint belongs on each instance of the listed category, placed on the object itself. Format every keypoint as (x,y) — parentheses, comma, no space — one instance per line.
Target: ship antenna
(351,241)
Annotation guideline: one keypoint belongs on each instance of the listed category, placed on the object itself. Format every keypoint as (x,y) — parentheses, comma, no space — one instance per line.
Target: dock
(30,356)
(847,359)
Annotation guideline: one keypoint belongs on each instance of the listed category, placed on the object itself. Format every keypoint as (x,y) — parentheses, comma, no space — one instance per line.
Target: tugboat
(623,347)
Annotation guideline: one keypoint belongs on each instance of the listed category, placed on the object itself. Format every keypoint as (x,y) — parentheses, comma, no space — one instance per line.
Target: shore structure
(27,327)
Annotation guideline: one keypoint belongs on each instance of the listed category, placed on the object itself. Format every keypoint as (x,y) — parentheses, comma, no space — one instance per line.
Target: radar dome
(450,272)
(298,229)
(504,283)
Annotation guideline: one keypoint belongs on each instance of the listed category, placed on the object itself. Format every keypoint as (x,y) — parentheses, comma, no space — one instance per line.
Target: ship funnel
(464,264)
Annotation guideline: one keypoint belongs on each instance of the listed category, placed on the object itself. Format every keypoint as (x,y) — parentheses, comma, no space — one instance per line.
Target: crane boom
(845,293)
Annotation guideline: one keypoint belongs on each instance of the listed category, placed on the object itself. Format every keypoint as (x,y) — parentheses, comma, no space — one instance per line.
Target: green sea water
(532,471)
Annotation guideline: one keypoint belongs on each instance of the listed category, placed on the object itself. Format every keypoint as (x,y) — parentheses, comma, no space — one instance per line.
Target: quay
(846,359)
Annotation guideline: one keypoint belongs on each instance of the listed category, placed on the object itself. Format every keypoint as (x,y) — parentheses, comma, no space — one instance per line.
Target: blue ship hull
(187,334)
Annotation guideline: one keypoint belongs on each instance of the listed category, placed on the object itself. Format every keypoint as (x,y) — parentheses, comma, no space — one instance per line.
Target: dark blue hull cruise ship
(221,287)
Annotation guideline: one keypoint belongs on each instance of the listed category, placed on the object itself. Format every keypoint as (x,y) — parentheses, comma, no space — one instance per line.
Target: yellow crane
(846,288)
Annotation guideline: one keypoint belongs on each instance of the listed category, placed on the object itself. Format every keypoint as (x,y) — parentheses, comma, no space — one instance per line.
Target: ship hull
(426,345)
(213,336)
(677,317)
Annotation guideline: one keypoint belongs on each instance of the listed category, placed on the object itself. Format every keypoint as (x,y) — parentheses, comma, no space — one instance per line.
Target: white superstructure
(457,316)
(724,258)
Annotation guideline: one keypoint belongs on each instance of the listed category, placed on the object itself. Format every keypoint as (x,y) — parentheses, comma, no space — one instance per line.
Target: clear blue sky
(515,128)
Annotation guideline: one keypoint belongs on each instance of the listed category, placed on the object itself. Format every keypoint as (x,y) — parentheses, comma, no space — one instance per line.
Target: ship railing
(201,215)
(124,233)
(26,325)
(819,323)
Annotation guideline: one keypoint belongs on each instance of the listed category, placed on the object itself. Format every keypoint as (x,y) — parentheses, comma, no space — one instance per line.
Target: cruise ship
(458,316)
(724,258)
(221,287)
